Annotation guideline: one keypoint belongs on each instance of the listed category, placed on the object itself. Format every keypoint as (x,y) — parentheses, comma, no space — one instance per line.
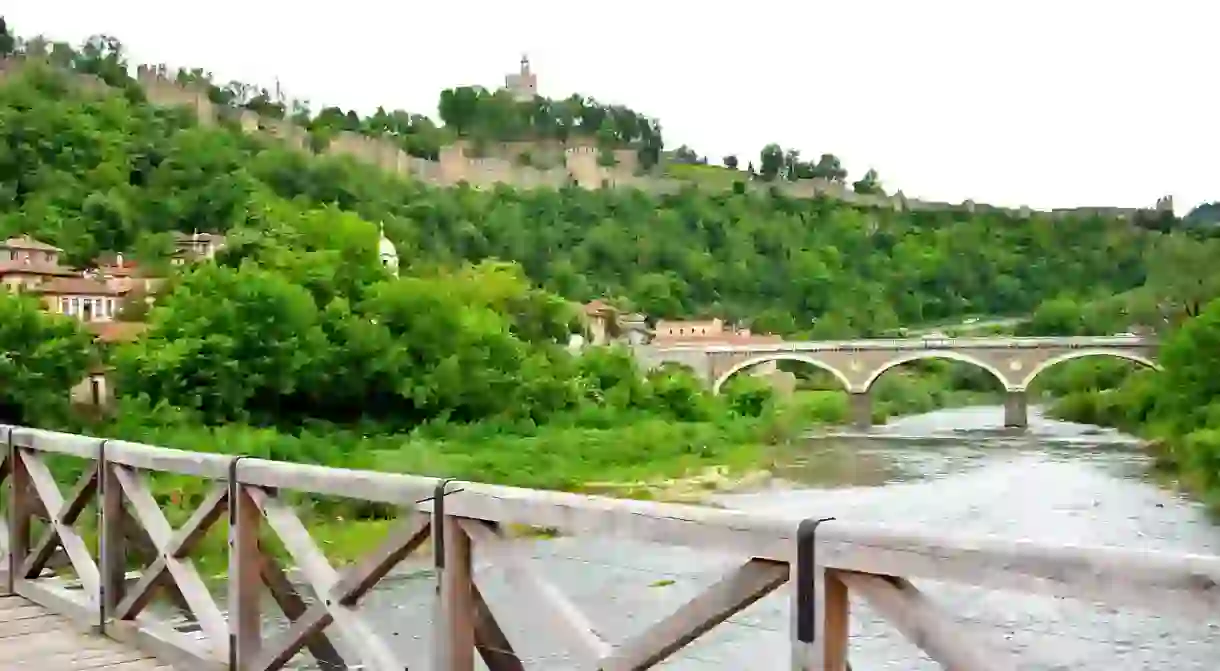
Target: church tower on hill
(523,84)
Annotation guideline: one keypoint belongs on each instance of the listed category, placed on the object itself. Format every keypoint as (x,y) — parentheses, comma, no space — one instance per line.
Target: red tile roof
(598,306)
(79,286)
(22,267)
(26,242)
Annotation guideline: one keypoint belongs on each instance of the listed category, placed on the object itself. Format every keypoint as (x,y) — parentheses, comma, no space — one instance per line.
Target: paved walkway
(32,638)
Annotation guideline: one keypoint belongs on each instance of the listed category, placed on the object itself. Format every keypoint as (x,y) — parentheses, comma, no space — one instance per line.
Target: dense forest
(297,324)
(94,174)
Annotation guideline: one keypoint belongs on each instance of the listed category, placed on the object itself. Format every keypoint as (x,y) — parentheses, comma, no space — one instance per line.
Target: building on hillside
(87,299)
(523,84)
(387,252)
(26,264)
(673,330)
(706,332)
(126,276)
(634,329)
(26,249)
(28,276)
(601,321)
(605,325)
(96,391)
(196,246)
(678,333)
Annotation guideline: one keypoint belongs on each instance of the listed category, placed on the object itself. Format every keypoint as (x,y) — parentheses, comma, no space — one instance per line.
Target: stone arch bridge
(857,364)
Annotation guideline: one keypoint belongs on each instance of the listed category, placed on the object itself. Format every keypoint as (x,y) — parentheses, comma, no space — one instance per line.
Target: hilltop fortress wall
(528,165)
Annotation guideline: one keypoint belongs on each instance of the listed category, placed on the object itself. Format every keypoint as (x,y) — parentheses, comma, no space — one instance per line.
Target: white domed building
(387,252)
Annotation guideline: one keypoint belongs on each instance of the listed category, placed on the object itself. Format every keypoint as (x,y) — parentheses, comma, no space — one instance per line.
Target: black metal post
(806,590)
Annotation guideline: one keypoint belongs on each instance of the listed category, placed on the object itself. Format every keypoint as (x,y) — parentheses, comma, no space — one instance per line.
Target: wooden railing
(824,563)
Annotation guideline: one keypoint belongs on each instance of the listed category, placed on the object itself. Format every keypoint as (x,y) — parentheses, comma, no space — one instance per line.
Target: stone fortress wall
(530,165)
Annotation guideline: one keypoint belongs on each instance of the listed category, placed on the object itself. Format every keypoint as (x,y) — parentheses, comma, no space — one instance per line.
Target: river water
(951,470)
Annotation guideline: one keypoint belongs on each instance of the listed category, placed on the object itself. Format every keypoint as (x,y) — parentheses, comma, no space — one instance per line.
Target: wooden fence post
(454,634)
(19,513)
(245,619)
(113,539)
(6,529)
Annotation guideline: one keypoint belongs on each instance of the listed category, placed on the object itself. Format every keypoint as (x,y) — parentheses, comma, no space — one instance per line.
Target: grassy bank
(583,454)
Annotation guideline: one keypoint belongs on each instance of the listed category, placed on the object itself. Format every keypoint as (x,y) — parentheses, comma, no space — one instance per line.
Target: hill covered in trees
(107,172)
(296,344)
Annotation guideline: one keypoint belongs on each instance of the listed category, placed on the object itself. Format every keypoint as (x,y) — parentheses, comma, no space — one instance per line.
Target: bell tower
(524,83)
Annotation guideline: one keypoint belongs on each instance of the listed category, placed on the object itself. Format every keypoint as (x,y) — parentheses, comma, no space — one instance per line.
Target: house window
(64,306)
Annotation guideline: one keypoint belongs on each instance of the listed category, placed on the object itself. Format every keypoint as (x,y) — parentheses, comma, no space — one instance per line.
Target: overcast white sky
(1050,103)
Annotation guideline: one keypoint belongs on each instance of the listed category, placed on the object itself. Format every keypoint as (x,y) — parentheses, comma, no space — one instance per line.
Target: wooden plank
(566,619)
(489,639)
(32,625)
(923,623)
(456,618)
(182,569)
(80,658)
(51,642)
(85,447)
(34,646)
(740,588)
(71,541)
(294,608)
(323,578)
(394,488)
(836,622)
(166,460)
(1173,584)
(245,560)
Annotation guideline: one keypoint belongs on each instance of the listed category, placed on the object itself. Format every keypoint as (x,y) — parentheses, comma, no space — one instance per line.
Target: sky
(1046,103)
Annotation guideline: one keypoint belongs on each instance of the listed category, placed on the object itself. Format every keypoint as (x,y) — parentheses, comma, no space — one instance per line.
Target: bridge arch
(950,355)
(1126,355)
(765,358)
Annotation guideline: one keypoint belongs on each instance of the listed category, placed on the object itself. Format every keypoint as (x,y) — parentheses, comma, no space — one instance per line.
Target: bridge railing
(252,502)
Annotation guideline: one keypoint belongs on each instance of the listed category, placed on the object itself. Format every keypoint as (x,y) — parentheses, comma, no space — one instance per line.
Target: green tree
(829,167)
(770,162)
(1183,274)
(44,356)
(8,43)
(869,184)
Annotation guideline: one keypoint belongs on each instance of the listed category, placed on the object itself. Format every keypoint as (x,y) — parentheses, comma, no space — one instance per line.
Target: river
(941,471)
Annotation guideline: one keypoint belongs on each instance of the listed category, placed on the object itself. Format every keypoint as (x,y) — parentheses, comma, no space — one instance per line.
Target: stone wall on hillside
(527,164)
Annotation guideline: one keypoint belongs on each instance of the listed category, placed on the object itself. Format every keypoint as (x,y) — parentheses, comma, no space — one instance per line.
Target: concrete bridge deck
(34,638)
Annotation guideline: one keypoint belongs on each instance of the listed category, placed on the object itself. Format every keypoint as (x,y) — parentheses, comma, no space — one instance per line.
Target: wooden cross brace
(172,561)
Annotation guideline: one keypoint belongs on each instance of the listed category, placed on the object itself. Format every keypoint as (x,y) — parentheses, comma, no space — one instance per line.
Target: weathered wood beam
(489,639)
(149,516)
(1171,583)
(48,491)
(923,623)
(736,591)
(294,607)
(323,578)
(566,619)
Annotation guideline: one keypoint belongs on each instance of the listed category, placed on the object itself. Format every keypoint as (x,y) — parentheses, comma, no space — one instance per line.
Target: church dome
(387,252)
(385,247)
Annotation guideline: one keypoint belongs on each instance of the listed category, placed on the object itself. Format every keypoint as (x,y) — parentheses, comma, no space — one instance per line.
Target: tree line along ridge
(592,161)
